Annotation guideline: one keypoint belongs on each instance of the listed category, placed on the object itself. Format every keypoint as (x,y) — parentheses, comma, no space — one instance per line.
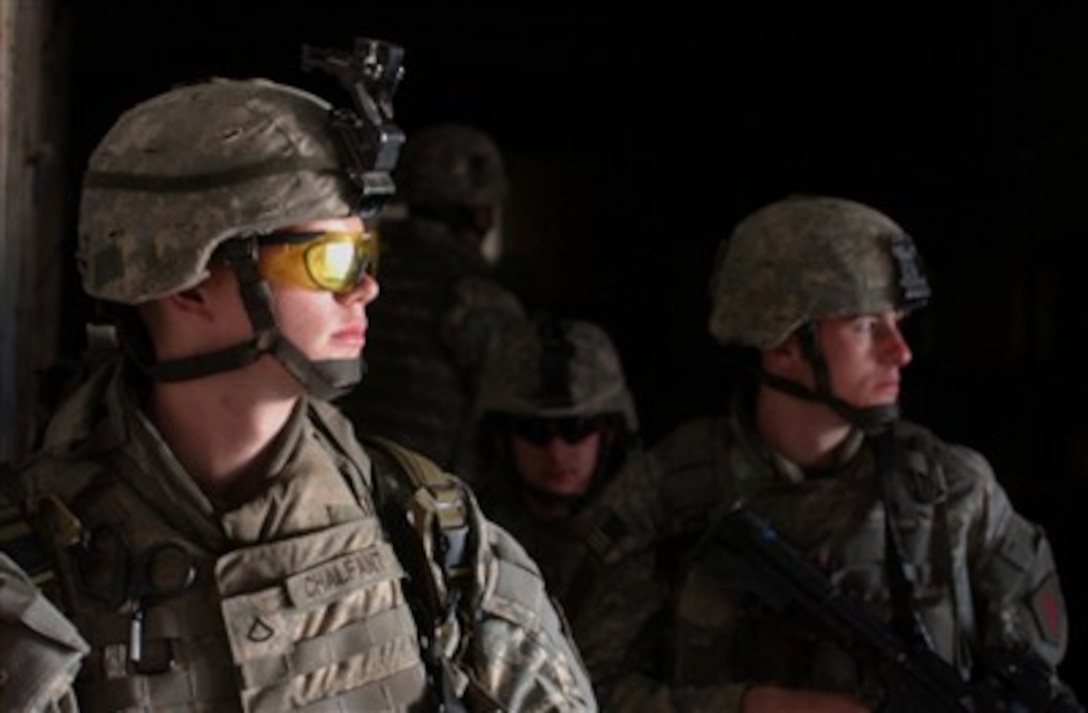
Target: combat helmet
(552,368)
(451,165)
(179,174)
(806,258)
(213,166)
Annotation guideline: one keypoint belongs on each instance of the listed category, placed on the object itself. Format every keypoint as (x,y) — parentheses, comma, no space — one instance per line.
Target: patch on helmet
(1047,608)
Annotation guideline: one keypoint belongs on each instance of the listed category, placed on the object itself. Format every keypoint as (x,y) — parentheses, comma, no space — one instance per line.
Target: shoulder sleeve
(511,649)
(623,627)
(521,654)
(40,650)
(663,491)
(1013,574)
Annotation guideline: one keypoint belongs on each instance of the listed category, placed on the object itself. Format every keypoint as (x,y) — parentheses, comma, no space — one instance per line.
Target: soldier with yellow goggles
(334,261)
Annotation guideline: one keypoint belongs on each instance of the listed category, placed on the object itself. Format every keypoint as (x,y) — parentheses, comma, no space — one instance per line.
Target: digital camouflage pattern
(558,548)
(451,165)
(660,633)
(179,174)
(810,257)
(299,597)
(573,370)
(40,650)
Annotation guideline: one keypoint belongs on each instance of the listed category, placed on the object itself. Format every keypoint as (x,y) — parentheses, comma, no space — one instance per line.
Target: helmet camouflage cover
(451,165)
(546,368)
(810,257)
(182,172)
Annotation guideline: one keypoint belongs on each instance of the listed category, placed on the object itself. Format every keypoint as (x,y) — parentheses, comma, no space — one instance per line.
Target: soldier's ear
(193,301)
(783,355)
(207,299)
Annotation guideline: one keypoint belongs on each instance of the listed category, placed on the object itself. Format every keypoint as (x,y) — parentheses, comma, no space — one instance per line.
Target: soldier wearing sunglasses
(213,526)
(556,422)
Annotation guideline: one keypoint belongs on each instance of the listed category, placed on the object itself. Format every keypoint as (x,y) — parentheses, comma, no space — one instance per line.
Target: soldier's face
(557,466)
(323,323)
(865,355)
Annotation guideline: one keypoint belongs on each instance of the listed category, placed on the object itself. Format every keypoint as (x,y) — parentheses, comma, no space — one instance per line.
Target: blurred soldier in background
(442,302)
(212,526)
(810,292)
(556,422)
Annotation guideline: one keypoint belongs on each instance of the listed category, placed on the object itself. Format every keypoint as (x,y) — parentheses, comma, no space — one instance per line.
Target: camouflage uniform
(40,650)
(558,548)
(358,577)
(552,369)
(441,303)
(666,633)
(298,599)
(966,544)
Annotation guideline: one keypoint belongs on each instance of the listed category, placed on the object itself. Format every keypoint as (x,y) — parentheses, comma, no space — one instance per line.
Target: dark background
(637,139)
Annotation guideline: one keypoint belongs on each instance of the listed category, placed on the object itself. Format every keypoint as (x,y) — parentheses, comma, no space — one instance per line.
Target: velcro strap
(385,630)
(356,668)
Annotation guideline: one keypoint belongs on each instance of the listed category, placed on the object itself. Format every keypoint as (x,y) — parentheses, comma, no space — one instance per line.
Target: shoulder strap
(425,511)
(699,476)
(418,493)
(429,524)
(688,474)
(929,486)
(437,509)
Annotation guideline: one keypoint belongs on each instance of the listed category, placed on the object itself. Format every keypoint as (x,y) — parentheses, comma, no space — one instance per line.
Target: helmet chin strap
(872,420)
(325,379)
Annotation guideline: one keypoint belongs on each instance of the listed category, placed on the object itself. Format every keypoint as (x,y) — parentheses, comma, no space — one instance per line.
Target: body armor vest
(355,580)
(721,634)
(294,600)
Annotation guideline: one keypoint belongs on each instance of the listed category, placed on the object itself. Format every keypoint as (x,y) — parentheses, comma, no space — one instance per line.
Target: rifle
(913,677)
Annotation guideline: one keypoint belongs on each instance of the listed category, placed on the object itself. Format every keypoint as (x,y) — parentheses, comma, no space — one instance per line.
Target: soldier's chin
(886,396)
(340,373)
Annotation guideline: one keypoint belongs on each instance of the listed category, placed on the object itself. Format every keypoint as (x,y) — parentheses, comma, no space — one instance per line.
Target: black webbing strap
(905,617)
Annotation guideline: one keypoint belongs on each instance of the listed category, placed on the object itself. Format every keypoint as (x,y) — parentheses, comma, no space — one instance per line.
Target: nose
(557,458)
(556,448)
(895,346)
(365,292)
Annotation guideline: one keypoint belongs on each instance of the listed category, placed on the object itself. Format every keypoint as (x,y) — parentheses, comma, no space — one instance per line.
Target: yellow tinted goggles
(334,261)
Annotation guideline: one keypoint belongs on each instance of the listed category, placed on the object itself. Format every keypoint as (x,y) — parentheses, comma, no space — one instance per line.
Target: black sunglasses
(540,431)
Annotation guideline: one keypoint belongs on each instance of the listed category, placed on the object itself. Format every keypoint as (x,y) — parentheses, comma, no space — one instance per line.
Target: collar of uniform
(288,438)
(783,467)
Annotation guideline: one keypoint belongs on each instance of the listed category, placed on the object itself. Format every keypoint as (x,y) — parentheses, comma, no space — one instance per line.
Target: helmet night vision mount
(369,140)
